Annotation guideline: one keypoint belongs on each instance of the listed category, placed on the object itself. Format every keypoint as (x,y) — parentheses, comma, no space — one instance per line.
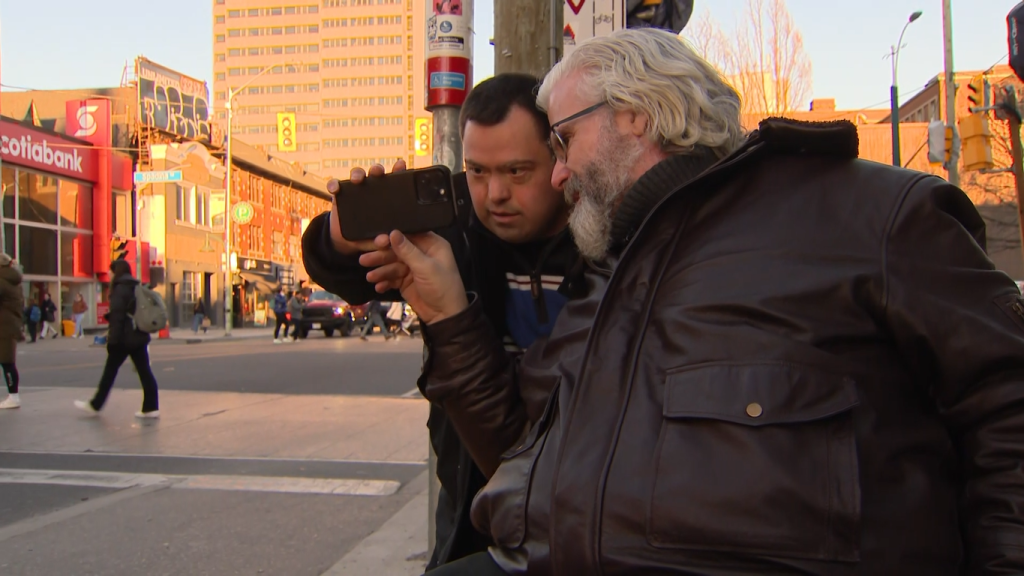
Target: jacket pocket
(500,507)
(758,458)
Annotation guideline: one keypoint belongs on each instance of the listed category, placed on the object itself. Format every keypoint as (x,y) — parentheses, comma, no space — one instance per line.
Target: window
(75,205)
(219,38)
(220,76)
(276,31)
(219,19)
(37,198)
(37,250)
(235,32)
(75,253)
(234,13)
(254,12)
(191,287)
(184,201)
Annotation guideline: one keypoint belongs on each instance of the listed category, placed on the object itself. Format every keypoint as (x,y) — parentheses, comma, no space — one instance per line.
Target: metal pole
(894,103)
(228,320)
(952,166)
(138,231)
(1009,103)
(555,5)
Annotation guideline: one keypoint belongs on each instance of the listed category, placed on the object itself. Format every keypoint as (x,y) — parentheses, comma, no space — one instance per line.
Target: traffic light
(286,131)
(977,142)
(976,92)
(424,136)
(118,248)
(940,142)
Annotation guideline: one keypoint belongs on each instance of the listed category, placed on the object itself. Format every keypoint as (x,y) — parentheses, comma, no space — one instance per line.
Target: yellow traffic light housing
(976,91)
(977,142)
(424,137)
(118,248)
(286,132)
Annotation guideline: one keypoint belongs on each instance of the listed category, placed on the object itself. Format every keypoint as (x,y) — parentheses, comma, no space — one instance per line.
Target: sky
(76,44)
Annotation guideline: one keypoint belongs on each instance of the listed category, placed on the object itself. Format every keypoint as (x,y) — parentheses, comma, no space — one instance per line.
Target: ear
(632,122)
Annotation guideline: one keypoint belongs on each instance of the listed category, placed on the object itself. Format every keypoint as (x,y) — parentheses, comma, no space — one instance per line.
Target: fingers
(393,272)
(406,250)
(357,175)
(375,258)
(399,166)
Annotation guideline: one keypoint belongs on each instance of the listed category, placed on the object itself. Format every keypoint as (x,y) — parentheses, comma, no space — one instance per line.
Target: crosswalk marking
(280,484)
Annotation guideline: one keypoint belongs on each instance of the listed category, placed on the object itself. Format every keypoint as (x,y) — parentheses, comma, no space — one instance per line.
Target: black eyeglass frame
(558,145)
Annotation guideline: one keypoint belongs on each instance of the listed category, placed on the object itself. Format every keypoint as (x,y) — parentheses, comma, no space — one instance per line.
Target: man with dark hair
(513,250)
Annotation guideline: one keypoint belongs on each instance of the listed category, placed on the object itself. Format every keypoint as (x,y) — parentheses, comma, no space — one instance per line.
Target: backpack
(35,314)
(150,312)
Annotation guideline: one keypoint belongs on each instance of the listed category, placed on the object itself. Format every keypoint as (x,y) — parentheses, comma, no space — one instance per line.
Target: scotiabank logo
(86,121)
(41,152)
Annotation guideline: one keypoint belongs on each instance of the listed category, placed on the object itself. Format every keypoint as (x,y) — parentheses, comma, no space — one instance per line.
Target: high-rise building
(350,70)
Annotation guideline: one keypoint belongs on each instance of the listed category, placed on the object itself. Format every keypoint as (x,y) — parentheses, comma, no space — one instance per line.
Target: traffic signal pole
(449,65)
(953,166)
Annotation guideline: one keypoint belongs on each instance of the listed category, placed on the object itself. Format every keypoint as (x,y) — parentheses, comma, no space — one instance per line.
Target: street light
(228,320)
(894,91)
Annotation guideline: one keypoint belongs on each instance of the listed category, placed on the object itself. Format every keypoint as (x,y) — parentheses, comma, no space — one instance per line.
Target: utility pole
(449,78)
(527,36)
(952,166)
(1008,105)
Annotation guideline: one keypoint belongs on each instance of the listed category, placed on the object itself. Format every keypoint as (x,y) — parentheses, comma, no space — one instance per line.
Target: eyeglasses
(560,145)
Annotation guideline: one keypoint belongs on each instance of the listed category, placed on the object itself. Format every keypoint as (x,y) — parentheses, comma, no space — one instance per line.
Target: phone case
(412,201)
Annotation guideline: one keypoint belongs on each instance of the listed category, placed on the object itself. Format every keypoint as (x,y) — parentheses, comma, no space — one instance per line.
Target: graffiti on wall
(173,102)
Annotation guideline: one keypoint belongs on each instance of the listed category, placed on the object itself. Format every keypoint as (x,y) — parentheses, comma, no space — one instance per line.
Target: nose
(497,191)
(559,175)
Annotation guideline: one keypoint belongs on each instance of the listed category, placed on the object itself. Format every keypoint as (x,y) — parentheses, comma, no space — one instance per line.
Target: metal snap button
(754,410)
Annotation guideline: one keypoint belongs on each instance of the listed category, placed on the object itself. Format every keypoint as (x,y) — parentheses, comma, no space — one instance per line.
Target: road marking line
(281,484)
(414,393)
(207,457)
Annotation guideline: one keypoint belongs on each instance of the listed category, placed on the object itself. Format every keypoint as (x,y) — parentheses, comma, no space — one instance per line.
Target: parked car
(328,312)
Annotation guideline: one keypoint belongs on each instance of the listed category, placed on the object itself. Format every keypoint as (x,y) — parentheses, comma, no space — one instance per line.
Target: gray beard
(600,188)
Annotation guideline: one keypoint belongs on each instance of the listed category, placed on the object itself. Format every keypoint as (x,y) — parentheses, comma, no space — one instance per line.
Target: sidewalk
(178,336)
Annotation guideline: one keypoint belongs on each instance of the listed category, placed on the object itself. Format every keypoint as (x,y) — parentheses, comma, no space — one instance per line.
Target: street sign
(155,176)
(242,212)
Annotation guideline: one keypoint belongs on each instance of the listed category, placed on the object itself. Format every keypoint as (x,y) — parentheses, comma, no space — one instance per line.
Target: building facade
(58,196)
(351,70)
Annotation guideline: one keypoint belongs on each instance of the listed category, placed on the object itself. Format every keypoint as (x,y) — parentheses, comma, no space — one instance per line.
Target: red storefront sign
(46,152)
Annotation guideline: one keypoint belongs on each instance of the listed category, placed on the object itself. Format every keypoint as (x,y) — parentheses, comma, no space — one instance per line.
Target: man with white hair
(779,359)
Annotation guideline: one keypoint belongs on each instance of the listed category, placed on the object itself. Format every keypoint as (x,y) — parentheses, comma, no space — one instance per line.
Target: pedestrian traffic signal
(118,248)
(940,142)
(424,136)
(286,131)
(976,92)
(977,142)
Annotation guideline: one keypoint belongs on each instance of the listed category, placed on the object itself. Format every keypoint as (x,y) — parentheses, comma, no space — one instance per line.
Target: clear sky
(76,43)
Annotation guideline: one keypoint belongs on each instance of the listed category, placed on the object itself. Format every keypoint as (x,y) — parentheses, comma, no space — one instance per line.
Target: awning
(264,284)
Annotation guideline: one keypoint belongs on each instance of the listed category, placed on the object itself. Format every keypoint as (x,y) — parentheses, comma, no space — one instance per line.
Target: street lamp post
(894,92)
(228,320)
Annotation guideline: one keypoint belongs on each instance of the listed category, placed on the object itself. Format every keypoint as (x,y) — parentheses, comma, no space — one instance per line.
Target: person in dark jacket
(512,247)
(12,305)
(295,314)
(280,315)
(780,359)
(49,310)
(33,315)
(375,317)
(124,341)
(198,313)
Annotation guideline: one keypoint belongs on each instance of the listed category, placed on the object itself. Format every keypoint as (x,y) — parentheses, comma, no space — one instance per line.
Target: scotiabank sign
(46,152)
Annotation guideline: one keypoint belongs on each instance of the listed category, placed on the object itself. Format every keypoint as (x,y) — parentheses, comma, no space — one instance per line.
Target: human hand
(342,245)
(423,268)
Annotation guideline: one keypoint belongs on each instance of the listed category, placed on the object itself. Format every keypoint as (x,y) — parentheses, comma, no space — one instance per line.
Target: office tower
(350,70)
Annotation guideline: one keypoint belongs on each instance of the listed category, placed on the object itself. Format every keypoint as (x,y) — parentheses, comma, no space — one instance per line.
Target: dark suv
(328,312)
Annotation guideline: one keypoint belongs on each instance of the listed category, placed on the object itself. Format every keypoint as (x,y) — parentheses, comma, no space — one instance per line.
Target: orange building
(351,71)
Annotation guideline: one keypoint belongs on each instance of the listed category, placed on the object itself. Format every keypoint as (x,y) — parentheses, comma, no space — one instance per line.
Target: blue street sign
(157,176)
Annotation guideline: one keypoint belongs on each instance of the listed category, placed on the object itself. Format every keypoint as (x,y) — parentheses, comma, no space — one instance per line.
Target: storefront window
(75,205)
(10,191)
(37,198)
(76,254)
(9,239)
(37,248)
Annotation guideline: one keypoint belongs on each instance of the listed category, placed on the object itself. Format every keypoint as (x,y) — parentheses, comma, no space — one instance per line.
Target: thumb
(406,251)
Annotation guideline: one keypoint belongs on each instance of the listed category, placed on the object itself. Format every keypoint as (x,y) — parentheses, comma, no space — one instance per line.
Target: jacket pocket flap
(757,394)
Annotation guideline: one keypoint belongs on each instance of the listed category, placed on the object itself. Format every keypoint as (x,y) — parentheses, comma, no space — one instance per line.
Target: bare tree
(765,59)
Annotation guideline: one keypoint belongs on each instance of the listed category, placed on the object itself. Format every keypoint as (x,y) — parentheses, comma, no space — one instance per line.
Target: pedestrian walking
(280,315)
(12,305)
(374,318)
(78,310)
(394,316)
(295,314)
(33,315)
(198,313)
(124,341)
(49,310)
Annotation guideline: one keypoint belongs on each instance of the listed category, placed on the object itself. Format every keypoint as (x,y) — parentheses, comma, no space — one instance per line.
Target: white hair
(654,72)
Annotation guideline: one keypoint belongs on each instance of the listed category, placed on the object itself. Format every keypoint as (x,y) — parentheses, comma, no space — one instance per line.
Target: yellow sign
(423,136)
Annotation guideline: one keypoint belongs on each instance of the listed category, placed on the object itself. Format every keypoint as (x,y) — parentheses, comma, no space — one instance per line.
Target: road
(268,459)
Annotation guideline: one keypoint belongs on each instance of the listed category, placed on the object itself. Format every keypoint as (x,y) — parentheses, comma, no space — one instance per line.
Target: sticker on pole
(242,213)
(447,80)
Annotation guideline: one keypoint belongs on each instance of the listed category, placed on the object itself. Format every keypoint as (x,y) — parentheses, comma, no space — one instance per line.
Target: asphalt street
(316,365)
(164,507)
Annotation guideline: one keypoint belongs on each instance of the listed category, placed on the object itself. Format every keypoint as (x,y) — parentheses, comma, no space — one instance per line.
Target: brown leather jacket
(800,363)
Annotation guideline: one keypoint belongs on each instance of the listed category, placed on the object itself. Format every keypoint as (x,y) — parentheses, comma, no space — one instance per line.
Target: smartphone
(411,202)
